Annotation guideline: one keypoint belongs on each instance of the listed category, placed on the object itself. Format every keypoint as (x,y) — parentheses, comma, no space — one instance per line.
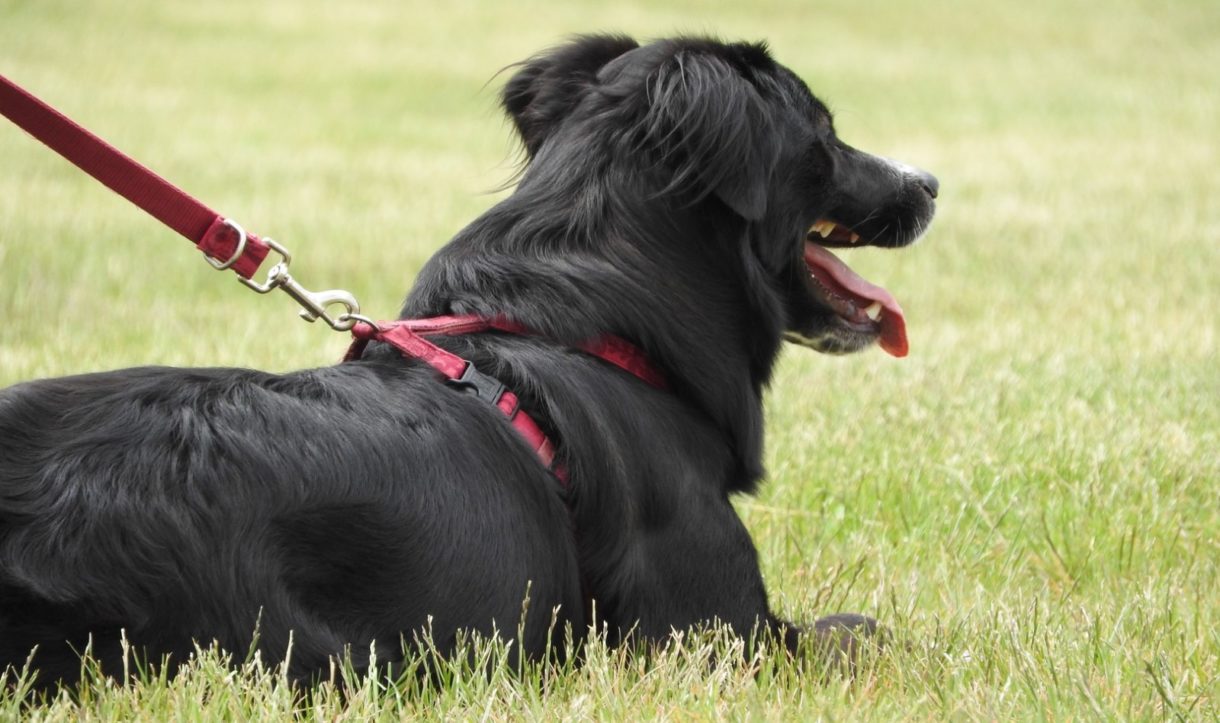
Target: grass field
(1032,498)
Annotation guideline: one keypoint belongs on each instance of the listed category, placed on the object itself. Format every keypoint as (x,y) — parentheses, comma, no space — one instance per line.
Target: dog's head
(722,127)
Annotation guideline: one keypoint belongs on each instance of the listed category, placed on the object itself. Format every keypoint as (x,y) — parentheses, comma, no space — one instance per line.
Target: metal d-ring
(348,320)
(241,248)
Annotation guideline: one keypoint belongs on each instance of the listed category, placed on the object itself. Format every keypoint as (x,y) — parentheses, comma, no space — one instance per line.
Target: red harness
(407,336)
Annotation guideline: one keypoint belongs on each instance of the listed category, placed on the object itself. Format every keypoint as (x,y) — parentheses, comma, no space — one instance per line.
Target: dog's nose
(929,182)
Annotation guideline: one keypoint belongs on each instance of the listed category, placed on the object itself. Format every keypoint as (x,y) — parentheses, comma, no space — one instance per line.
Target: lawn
(1031,499)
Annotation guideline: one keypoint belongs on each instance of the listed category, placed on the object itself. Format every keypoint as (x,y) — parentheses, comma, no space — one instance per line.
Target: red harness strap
(214,235)
(407,336)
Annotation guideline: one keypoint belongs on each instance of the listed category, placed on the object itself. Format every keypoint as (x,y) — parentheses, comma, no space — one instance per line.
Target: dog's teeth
(873,310)
(855,237)
(822,228)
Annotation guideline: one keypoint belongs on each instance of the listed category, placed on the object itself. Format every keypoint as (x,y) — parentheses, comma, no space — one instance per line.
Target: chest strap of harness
(407,336)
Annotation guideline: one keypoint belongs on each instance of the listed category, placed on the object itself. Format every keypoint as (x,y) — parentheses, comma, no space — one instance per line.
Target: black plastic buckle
(485,387)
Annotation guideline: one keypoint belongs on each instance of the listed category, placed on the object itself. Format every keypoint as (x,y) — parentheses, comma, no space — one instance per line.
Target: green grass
(1032,497)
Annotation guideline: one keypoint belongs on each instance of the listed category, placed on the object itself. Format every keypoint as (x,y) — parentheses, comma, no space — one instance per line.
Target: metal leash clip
(315,303)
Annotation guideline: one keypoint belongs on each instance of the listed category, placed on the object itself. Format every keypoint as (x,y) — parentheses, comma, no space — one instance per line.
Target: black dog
(668,199)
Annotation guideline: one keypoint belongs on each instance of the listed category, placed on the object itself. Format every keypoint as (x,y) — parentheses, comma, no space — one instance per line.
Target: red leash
(224,243)
(222,240)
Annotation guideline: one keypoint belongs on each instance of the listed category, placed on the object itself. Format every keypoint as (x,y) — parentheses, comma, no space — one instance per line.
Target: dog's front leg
(701,568)
(837,638)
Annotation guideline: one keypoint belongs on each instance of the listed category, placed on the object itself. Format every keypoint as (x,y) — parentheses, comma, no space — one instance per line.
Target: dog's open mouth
(853,298)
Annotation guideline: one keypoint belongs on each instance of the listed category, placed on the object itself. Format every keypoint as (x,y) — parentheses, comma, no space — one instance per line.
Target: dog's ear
(711,124)
(548,86)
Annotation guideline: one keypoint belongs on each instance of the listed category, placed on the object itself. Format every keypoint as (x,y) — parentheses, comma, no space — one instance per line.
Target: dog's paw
(842,638)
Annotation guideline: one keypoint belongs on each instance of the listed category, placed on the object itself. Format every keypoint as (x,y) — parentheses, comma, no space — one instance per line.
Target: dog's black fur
(666,198)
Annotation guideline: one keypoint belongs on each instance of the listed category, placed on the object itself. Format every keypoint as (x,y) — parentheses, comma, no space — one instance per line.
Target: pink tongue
(893,324)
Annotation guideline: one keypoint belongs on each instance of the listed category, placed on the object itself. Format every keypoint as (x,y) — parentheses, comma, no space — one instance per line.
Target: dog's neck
(688,308)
